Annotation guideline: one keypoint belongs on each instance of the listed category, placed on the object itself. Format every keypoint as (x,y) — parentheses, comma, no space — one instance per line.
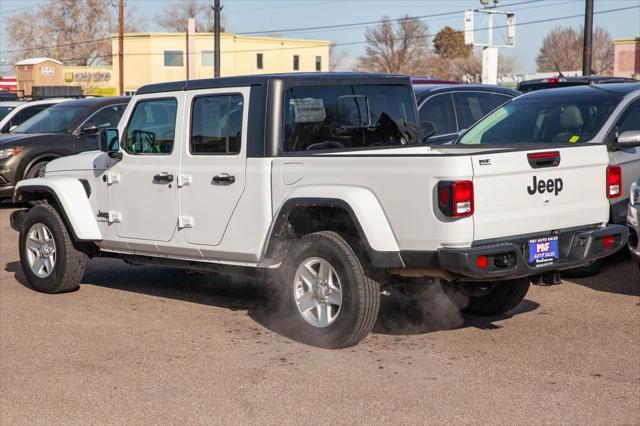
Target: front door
(144,192)
(212,172)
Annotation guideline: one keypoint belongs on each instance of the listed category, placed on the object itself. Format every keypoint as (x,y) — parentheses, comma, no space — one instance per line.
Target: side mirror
(109,142)
(89,129)
(629,138)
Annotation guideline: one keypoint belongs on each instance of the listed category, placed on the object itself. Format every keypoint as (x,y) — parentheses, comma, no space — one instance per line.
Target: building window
(296,62)
(318,63)
(259,61)
(206,58)
(173,58)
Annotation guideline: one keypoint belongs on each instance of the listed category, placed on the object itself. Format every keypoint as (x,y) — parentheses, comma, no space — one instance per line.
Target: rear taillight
(614,181)
(455,198)
(609,241)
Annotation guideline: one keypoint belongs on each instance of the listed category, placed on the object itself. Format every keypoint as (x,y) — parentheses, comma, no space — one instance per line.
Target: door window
(151,129)
(438,111)
(216,124)
(631,119)
(23,115)
(472,106)
(106,117)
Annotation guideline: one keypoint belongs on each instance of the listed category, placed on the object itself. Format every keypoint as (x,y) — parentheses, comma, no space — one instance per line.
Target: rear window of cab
(349,116)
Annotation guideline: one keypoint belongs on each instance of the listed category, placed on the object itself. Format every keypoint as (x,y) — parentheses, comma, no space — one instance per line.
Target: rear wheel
(494,298)
(327,295)
(49,260)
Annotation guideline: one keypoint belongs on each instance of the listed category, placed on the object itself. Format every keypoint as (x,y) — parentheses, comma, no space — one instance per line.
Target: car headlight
(9,152)
(634,194)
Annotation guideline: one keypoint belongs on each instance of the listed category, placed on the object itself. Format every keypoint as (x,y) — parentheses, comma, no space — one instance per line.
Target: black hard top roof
(299,78)
(95,102)
(422,90)
(619,89)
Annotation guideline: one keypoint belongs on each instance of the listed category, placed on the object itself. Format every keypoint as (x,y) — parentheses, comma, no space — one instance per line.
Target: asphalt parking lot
(149,345)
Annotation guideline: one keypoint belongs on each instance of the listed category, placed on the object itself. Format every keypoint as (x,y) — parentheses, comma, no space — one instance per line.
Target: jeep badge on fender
(542,186)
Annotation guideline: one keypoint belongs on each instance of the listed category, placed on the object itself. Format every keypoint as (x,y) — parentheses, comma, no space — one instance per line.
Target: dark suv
(447,109)
(64,129)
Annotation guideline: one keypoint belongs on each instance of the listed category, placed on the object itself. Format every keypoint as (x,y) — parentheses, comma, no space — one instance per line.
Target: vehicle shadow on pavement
(622,276)
(399,314)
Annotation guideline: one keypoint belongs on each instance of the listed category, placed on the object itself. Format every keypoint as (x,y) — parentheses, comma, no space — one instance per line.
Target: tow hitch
(547,279)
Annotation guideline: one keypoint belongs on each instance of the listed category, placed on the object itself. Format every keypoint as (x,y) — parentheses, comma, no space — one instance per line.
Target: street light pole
(588,34)
(216,35)
(121,48)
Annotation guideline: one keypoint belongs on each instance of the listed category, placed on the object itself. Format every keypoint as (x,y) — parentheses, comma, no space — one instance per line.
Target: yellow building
(97,81)
(161,57)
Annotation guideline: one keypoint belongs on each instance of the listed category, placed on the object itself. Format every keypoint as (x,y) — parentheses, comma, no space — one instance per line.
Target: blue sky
(263,15)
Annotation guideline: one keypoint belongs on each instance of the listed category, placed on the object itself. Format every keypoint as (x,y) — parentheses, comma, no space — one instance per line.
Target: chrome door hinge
(185,222)
(184,180)
(114,217)
(112,178)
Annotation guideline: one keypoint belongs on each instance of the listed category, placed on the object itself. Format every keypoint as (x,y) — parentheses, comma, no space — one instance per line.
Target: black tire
(70,263)
(589,270)
(37,170)
(501,297)
(360,293)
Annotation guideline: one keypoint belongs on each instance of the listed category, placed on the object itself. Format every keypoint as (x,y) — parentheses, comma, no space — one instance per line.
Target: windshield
(56,119)
(338,117)
(545,119)
(4,110)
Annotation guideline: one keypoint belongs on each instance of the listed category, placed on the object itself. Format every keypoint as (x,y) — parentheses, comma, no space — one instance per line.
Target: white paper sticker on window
(309,110)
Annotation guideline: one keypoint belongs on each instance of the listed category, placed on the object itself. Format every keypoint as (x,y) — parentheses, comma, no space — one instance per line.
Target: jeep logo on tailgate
(541,186)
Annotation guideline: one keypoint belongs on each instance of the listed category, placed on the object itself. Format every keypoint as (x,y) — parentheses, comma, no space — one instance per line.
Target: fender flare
(363,208)
(72,198)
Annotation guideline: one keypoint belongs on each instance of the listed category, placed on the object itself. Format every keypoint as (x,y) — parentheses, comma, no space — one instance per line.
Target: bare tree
(561,50)
(396,48)
(175,15)
(336,58)
(76,32)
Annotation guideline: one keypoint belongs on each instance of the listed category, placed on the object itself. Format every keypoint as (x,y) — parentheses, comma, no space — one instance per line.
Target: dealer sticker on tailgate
(543,250)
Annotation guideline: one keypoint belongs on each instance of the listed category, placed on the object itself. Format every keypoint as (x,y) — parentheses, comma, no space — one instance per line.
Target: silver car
(633,221)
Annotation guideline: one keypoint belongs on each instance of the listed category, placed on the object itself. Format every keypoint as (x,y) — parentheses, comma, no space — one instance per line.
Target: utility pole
(588,35)
(216,37)
(121,49)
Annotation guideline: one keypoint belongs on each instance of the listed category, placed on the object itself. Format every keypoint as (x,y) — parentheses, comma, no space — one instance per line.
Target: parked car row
(324,183)
(64,127)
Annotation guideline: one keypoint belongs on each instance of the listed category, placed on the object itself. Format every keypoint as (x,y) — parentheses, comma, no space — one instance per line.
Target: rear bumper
(506,258)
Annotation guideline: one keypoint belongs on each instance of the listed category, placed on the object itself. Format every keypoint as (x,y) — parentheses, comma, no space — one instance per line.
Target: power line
(353,43)
(355,24)
(326,28)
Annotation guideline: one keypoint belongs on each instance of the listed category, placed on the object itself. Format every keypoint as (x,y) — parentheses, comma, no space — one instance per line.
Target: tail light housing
(455,198)
(614,181)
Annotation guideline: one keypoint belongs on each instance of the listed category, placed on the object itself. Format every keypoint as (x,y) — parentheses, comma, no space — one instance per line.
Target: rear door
(212,169)
(527,192)
(437,112)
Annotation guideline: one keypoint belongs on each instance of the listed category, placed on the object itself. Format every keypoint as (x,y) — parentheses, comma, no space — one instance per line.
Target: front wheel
(49,260)
(328,296)
(494,298)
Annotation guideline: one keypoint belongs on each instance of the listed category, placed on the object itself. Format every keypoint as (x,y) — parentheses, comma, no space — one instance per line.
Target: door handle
(163,177)
(223,179)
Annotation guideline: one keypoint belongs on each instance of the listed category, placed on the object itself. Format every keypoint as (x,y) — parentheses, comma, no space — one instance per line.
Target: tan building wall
(98,81)
(149,58)
(37,72)
(627,57)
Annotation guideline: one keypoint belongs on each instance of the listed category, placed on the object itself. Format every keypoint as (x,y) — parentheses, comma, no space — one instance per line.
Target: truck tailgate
(526,192)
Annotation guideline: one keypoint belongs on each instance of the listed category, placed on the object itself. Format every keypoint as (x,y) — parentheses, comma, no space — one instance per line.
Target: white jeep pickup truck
(321,180)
